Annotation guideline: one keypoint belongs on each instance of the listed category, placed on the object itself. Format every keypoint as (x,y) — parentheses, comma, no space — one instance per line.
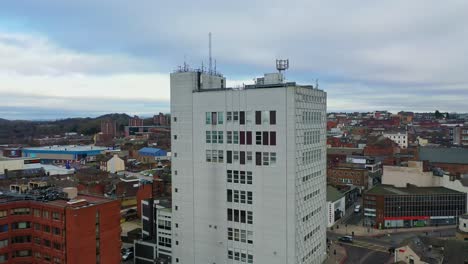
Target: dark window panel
(242,118)
(272,117)
(258,117)
(265,138)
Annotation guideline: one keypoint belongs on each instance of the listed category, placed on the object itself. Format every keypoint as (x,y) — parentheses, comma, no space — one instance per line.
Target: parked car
(347,239)
(127,255)
(357,208)
(126,250)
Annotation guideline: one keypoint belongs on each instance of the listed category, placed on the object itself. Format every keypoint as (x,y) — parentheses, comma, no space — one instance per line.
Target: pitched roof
(152,152)
(444,155)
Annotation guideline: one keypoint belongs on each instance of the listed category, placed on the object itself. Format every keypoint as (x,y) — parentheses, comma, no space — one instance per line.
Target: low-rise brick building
(47,228)
(347,174)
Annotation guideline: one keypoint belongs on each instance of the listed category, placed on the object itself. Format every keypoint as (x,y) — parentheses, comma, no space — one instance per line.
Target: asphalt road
(363,255)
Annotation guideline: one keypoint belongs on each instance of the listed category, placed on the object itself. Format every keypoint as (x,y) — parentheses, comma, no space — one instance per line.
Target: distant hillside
(19,131)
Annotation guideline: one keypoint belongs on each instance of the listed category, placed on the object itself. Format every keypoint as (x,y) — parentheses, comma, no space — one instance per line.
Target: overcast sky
(87,58)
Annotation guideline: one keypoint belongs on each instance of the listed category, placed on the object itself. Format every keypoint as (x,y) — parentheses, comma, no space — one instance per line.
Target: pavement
(360,230)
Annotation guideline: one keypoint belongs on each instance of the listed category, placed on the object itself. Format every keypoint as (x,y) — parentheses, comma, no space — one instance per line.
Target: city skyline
(85,59)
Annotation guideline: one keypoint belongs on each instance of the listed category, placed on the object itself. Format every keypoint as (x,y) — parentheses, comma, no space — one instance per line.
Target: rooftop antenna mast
(282,65)
(210,69)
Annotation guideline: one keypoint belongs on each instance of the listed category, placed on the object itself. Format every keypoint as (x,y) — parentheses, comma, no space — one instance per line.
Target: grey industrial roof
(444,155)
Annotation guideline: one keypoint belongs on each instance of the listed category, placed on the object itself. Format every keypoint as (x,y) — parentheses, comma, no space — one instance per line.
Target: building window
(258,158)
(266,158)
(242,118)
(258,117)
(235,116)
(248,117)
(21,225)
(46,228)
(208,155)
(265,138)
(214,119)
(242,137)
(272,117)
(229,176)
(273,138)
(229,116)
(235,155)
(56,231)
(229,137)
(3,243)
(220,118)
(3,213)
(249,177)
(220,137)
(175,119)
(249,157)
(249,137)
(236,137)
(229,156)
(175,137)
(258,138)
(22,253)
(207,118)
(20,211)
(56,216)
(272,158)
(242,157)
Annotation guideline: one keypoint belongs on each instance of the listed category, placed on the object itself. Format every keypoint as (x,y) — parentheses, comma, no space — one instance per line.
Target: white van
(357,208)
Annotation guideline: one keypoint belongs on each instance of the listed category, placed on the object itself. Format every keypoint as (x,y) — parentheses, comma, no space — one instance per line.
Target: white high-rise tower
(248,170)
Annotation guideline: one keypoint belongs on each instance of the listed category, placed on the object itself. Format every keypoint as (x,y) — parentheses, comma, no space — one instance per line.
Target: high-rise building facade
(248,170)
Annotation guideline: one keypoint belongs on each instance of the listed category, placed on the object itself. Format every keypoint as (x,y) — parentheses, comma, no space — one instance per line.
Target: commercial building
(452,160)
(387,206)
(248,168)
(346,174)
(157,241)
(336,203)
(64,154)
(422,175)
(45,226)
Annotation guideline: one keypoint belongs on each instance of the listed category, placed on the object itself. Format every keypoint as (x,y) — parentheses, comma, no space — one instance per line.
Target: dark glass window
(273,138)
(258,117)
(249,137)
(258,158)
(229,214)
(242,157)
(229,156)
(229,195)
(265,138)
(242,137)
(272,117)
(242,118)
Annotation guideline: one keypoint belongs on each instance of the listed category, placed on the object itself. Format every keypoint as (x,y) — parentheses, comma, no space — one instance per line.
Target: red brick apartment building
(85,229)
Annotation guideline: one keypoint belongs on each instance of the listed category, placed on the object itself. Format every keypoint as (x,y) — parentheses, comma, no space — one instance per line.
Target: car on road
(347,239)
(357,208)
